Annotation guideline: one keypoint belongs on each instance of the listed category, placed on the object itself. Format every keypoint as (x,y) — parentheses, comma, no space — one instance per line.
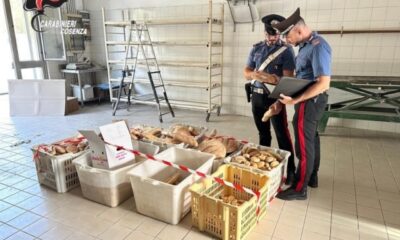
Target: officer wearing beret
(313,62)
(283,64)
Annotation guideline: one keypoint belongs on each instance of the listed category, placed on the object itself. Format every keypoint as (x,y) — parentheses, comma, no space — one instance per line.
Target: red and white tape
(76,140)
(202,175)
(38,149)
(246,142)
(46,148)
(171,164)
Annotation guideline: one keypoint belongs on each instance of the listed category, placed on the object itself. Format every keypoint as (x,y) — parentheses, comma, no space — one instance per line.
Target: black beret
(284,26)
(269,20)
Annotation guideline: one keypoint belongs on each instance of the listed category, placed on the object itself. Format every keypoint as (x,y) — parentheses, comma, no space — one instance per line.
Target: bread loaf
(173,180)
(72,149)
(267,115)
(213,146)
(188,139)
(153,134)
(59,149)
(230,144)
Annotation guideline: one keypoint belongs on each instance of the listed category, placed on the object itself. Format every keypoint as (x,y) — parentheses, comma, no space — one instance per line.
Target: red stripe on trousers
(287,128)
(302,143)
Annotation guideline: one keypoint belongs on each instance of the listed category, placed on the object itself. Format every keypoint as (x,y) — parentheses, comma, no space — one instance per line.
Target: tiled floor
(358,196)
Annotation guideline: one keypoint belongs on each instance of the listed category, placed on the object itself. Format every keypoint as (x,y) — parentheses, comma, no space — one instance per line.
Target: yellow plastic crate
(223,220)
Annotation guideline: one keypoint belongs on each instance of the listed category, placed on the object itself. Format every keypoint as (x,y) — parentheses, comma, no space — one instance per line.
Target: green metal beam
(361,107)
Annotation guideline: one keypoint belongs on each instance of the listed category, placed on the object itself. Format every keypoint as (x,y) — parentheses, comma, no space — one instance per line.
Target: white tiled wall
(357,54)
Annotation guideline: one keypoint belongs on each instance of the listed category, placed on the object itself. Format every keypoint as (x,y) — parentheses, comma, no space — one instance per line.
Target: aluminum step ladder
(148,57)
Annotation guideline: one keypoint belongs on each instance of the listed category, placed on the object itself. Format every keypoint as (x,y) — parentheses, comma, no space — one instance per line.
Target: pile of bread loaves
(231,200)
(176,135)
(218,145)
(73,145)
(260,159)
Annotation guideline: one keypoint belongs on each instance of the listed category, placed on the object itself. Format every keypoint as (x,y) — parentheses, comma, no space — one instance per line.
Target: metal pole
(222,53)
(13,40)
(210,23)
(107,55)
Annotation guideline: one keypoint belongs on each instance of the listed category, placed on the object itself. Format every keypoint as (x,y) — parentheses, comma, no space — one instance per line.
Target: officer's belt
(259,90)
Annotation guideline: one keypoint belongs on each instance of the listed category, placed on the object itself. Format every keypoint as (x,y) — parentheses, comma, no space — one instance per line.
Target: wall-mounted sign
(38,6)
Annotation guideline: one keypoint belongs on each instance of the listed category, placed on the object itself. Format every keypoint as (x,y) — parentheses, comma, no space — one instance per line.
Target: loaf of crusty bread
(183,137)
(230,144)
(213,146)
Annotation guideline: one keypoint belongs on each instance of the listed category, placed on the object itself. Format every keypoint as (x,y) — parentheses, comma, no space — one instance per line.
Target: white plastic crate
(87,92)
(163,201)
(108,187)
(277,175)
(57,172)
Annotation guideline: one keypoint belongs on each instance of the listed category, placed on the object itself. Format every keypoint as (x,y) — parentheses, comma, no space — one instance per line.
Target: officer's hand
(274,78)
(270,78)
(257,75)
(286,99)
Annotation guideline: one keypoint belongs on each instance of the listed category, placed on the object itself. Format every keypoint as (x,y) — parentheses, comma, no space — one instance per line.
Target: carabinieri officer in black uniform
(313,62)
(283,64)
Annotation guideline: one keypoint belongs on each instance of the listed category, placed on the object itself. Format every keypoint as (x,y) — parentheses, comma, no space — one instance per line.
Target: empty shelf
(165,22)
(177,83)
(193,43)
(175,103)
(168,63)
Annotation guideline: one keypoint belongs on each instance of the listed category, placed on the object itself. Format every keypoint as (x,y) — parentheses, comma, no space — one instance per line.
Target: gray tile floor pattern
(358,196)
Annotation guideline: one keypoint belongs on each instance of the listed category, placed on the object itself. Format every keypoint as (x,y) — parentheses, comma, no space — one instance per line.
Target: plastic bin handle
(88,168)
(150,181)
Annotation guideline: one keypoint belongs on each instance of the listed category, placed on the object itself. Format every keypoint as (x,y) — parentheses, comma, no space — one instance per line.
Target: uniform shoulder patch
(315,41)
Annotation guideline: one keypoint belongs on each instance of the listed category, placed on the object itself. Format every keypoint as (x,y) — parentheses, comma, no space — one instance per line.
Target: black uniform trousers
(307,143)
(260,104)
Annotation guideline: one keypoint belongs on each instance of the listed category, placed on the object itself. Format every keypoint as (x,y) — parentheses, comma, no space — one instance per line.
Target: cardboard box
(71,105)
(44,97)
(105,156)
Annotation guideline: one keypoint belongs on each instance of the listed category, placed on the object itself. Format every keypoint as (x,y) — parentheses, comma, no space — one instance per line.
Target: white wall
(357,54)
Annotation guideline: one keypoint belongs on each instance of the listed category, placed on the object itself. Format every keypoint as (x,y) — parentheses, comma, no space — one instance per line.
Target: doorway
(6,61)
(22,49)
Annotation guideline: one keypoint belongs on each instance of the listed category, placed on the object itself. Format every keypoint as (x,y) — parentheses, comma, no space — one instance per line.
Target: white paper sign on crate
(106,156)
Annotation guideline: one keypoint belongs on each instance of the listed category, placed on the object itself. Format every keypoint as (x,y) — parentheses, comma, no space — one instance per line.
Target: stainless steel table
(78,72)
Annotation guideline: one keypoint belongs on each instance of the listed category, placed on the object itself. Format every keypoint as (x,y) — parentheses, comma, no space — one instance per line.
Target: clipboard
(290,86)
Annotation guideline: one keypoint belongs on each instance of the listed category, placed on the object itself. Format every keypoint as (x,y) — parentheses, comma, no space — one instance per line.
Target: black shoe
(313,181)
(289,178)
(291,194)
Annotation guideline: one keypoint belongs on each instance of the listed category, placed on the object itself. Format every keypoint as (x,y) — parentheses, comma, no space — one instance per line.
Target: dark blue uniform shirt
(314,58)
(260,52)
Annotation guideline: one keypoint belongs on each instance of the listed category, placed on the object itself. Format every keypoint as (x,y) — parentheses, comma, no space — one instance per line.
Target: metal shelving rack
(212,82)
